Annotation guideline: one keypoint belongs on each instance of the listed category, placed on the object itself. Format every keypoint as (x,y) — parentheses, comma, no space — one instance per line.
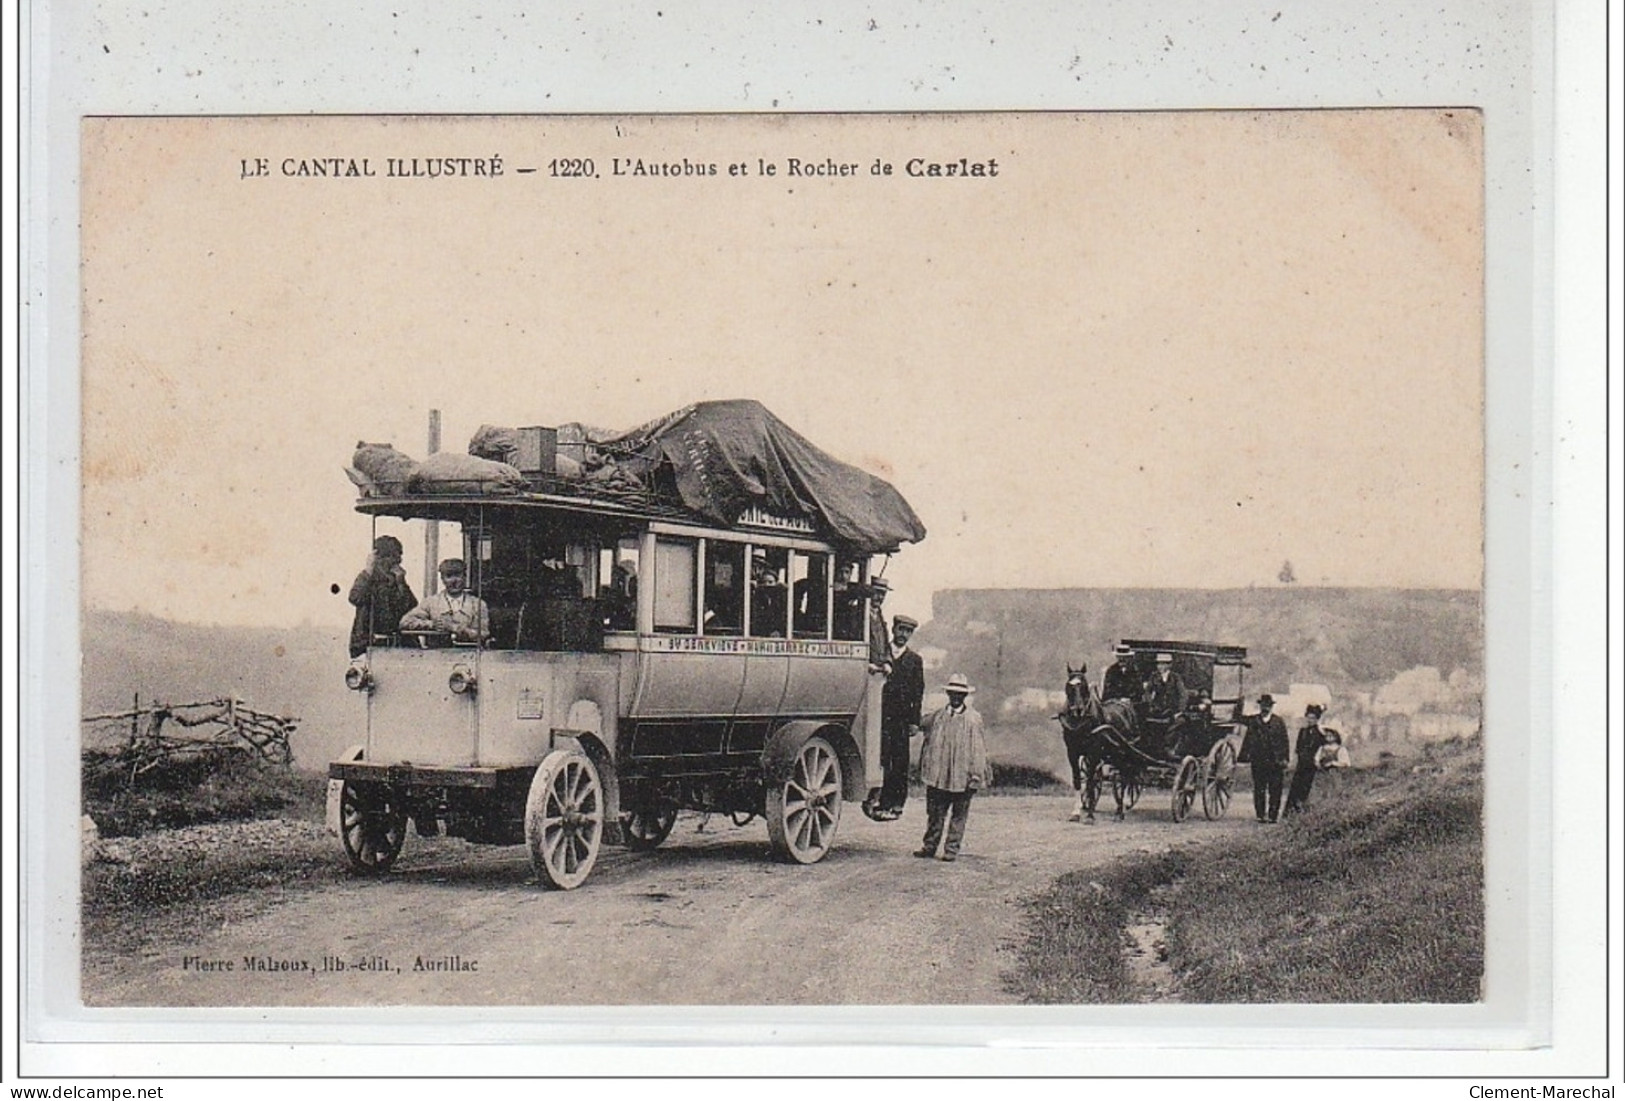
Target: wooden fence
(152,735)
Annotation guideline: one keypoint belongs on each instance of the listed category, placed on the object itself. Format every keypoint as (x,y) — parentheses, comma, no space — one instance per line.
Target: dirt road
(709,918)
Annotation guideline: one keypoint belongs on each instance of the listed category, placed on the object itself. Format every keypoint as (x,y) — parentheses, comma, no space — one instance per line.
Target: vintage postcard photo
(783,560)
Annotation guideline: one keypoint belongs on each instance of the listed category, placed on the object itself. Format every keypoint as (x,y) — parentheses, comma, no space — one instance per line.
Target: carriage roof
(1220,655)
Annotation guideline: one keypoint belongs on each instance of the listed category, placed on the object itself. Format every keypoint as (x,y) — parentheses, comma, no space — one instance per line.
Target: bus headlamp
(462,679)
(358,677)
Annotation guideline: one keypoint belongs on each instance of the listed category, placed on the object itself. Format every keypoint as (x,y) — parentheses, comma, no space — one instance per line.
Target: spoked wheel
(372,826)
(1089,797)
(1221,763)
(649,826)
(804,811)
(1186,783)
(564,818)
(1125,790)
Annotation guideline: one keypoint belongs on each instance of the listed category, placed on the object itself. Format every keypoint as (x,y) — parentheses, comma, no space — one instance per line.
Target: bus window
(618,584)
(675,563)
(769,595)
(809,585)
(724,587)
(851,598)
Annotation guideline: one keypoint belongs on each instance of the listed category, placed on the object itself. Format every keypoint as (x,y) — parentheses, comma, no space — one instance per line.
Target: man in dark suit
(1121,681)
(900,699)
(1266,748)
(381,596)
(1164,693)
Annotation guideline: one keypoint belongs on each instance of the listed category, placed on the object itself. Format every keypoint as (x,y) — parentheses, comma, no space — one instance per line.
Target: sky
(1156,349)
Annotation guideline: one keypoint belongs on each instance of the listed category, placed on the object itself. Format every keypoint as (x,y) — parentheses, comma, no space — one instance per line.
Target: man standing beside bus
(953,764)
(900,699)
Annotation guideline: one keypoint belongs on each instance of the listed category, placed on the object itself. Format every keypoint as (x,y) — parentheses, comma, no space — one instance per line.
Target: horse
(1095,731)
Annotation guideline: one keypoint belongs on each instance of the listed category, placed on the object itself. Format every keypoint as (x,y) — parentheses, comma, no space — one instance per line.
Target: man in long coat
(1121,682)
(1266,748)
(953,764)
(380,594)
(899,717)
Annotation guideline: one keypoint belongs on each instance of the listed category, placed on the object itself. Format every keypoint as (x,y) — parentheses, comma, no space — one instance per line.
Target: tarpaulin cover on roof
(726,456)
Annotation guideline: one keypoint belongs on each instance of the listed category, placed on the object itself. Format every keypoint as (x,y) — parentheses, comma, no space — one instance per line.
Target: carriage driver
(1120,683)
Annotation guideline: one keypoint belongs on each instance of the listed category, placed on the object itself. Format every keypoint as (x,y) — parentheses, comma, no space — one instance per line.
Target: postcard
(547,561)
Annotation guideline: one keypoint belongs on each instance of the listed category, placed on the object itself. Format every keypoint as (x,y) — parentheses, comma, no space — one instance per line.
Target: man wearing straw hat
(953,765)
(1121,681)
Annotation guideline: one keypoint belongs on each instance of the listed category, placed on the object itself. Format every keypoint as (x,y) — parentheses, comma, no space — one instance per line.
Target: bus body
(638,663)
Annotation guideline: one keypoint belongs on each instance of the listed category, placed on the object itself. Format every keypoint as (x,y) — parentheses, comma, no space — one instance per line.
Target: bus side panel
(412,713)
(526,695)
(676,685)
(765,677)
(818,685)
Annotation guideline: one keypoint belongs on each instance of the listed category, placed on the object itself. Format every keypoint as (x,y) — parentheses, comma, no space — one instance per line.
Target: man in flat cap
(454,610)
(1311,739)
(1265,747)
(900,699)
(380,594)
(953,764)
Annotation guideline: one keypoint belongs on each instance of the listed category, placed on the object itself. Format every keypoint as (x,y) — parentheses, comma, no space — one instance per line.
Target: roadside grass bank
(189,836)
(196,792)
(1374,895)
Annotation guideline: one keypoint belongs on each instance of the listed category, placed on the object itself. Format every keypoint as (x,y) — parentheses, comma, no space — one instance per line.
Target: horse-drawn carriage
(1134,741)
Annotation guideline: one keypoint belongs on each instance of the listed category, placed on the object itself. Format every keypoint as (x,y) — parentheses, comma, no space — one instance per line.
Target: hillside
(1008,641)
(288,671)
(1353,640)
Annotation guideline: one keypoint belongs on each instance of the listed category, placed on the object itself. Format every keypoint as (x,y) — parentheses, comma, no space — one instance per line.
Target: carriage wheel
(1221,763)
(372,826)
(1186,783)
(648,827)
(1089,796)
(564,818)
(1126,790)
(804,811)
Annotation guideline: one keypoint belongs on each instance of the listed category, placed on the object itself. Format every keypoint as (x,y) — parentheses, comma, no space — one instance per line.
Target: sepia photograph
(789,560)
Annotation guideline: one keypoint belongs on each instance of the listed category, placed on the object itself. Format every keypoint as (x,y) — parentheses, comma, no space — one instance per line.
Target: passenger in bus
(879,646)
(768,598)
(454,610)
(619,599)
(380,594)
(851,603)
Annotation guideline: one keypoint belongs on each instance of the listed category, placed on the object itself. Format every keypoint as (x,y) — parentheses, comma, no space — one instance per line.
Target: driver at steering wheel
(454,610)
